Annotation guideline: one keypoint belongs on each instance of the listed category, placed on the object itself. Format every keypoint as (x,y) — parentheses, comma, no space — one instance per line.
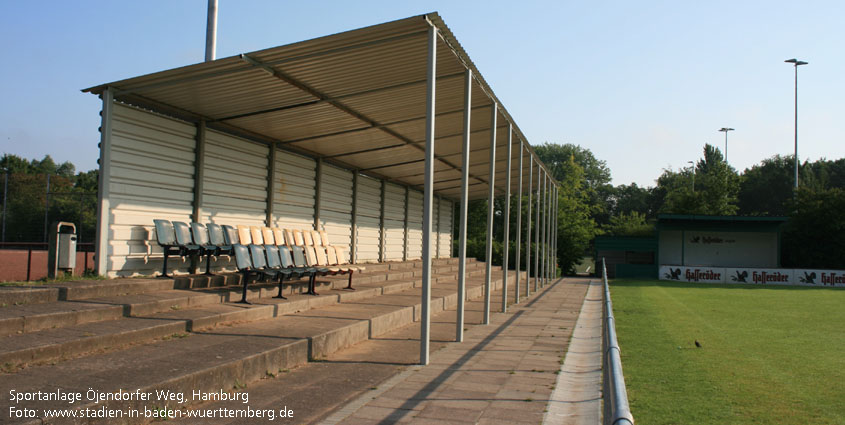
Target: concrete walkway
(577,395)
(504,373)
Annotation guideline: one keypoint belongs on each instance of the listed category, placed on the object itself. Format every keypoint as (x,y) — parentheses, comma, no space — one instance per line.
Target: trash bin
(61,253)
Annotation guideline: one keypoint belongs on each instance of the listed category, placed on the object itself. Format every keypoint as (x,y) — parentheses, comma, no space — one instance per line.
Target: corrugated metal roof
(356,99)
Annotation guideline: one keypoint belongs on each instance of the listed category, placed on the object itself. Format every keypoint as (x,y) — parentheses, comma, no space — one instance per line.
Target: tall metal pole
(796,63)
(528,227)
(537,231)
(518,227)
(462,244)
(490,201)
(506,237)
(6,201)
(428,197)
(211,32)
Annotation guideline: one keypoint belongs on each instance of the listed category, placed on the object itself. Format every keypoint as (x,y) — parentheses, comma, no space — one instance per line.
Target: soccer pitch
(770,354)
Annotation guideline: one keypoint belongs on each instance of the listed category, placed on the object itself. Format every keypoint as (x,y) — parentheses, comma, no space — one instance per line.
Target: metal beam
(353,249)
(462,217)
(199,172)
(528,227)
(518,228)
(491,194)
(425,318)
(101,250)
(318,194)
(271,192)
(507,217)
(382,235)
(537,232)
(405,235)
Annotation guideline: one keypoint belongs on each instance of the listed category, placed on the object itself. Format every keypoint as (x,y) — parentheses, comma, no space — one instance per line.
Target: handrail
(616,409)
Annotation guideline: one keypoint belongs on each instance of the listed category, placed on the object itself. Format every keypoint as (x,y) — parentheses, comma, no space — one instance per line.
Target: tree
(710,187)
(629,224)
(814,236)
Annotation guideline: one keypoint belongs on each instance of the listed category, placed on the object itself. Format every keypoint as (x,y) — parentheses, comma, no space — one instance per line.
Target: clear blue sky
(642,84)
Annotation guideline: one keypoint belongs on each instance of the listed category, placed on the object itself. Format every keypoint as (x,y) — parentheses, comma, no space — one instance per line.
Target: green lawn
(770,355)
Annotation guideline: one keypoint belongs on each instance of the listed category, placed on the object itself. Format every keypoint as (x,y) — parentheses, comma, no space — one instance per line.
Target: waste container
(61,252)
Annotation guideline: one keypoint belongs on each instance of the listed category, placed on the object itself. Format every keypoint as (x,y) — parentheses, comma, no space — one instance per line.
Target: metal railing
(616,409)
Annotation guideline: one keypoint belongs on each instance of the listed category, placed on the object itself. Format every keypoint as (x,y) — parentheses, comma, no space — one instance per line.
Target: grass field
(770,355)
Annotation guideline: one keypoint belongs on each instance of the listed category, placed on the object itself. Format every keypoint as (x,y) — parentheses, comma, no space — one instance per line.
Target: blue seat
(166,238)
(201,238)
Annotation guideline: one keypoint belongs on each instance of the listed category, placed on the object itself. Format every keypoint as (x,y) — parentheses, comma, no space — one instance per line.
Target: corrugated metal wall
(294,183)
(415,216)
(394,222)
(152,176)
(369,219)
(336,205)
(235,180)
(445,236)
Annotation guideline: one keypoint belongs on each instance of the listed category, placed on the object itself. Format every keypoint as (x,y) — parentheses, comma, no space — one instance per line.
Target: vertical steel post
(557,224)
(405,234)
(101,250)
(46,207)
(528,226)
(437,227)
(543,251)
(488,287)
(271,186)
(6,201)
(462,217)
(518,228)
(537,231)
(211,31)
(318,194)
(546,223)
(428,198)
(353,249)
(382,236)
(506,237)
(199,171)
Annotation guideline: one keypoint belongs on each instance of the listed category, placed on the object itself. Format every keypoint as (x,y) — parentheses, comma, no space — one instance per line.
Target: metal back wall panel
(295,184)
(369,221)
(235,181)
(394,221)
(336,205)
(444,237)
(415,219)
(152,176)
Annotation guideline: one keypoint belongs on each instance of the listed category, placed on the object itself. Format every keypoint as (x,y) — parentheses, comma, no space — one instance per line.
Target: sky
(643,85)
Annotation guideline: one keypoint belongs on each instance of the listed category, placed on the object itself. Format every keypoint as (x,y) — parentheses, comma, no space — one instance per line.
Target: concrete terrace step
(26,318)
(160,315)
(225,356)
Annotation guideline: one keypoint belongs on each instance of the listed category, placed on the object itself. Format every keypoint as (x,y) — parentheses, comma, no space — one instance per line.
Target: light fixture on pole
(726,130)
(796,64)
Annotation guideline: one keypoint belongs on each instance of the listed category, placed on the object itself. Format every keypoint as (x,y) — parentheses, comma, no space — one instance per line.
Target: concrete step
(18,319)
(222,357)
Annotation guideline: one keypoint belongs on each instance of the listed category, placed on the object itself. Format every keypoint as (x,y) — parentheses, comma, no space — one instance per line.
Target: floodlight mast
(726,130)
(211,32)
(796,63)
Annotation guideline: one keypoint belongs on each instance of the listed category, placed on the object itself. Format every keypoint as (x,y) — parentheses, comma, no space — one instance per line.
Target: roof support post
(518,227)
(271,190)
(537,231)
(199,172)
(318,194)
(462,216)
(547,223)
(353,249)
(506,237)
(528,226)
(405,236)
(428,198)
(101,252)
(554,230)
(382,254)
(437,227)
(545,257)
(490,203)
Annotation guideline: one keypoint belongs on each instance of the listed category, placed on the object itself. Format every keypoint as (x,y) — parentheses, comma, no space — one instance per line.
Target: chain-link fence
(30,202)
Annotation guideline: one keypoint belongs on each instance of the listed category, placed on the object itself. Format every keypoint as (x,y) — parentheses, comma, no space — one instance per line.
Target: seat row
(261,252)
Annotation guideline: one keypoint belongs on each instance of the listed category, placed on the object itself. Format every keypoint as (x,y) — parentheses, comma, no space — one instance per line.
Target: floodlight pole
(726,130)
(692,164)
(428,198)
(796,63)
(462,244)
(211,32)
(490,201)
(506,247)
